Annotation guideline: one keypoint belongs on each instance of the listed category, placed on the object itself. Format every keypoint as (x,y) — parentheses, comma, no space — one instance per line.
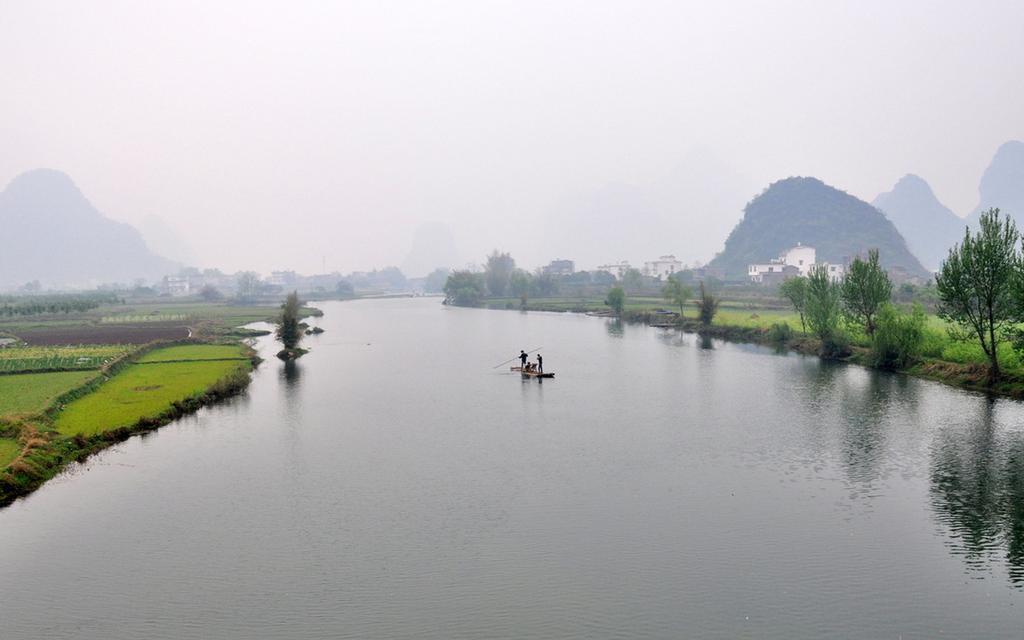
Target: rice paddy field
(28,393)
(50,358)
(148,389)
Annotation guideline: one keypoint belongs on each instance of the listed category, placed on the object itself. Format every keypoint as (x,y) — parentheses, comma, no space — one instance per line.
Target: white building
(799,257)
(770,271)
(663,267)
(836,272)
(176,285)
(617,269)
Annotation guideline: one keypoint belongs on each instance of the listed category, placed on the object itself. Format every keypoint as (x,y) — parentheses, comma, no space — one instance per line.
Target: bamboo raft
(532,374)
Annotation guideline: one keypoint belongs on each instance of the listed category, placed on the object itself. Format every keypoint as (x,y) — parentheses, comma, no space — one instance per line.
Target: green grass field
(9,450)
(144,391)
(34,392)
(195,352)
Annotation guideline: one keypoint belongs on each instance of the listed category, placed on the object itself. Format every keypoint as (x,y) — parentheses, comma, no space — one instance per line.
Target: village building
(617,269)
(796,261)
(176,286)
(663,267)
(560,268)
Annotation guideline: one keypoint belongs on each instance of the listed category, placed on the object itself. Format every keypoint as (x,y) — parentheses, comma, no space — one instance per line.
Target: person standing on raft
(540,363)
(522,358)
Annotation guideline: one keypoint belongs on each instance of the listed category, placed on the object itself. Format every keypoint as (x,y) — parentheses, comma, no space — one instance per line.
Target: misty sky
(272,134)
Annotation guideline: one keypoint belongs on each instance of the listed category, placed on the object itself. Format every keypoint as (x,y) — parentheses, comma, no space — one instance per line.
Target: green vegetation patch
(178,353)
(9,450)
(34,392)
(143,392)
(47,358)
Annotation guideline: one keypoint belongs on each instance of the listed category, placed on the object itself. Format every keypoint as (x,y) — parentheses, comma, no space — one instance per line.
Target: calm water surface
(392,484)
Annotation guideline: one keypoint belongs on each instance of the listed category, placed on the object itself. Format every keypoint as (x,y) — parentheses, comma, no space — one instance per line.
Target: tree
(288,330)
(822,306)
(210,293)
(498,271)
(677,293)
(464,288)
(616,299)
(632,280)
(248,282)
(976,282)
(707,305)
(520,283)
(434,282)
(795,290)
(544,284)
(865,289)
(345,289)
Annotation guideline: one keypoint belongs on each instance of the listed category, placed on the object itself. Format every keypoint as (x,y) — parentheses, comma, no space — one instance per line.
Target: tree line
(501,278)
(980,291)
(11,306)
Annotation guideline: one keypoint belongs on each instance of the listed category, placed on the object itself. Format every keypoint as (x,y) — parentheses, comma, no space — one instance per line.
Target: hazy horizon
(271,136)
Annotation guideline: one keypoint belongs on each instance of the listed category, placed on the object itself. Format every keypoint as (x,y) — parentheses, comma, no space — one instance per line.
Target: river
(392,484)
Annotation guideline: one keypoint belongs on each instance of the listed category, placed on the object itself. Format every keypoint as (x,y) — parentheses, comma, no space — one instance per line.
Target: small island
(289,330)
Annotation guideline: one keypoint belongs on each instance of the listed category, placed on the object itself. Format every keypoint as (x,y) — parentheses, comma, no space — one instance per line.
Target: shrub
(898,337)
(835,345)
(707,306)
(780,333)
(616,299)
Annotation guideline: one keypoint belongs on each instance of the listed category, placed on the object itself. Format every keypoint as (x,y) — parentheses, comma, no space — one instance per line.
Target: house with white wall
(663,267)
(796,261)
(617,269)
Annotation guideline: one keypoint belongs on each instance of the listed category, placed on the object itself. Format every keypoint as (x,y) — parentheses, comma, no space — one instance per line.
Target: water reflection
(615,328)
(977,493)
(290,373)
(704,341)
(673,337)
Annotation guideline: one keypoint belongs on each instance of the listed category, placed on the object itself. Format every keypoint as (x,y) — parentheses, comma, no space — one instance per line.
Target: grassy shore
(150,386)
(942,358)
(63,397)
(138,393)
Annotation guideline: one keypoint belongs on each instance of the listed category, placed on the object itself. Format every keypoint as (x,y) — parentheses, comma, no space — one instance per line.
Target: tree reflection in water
(290,373)
(615,328)
(977,493)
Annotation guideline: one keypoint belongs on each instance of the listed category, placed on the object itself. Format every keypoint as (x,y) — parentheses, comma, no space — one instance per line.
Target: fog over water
(517,124)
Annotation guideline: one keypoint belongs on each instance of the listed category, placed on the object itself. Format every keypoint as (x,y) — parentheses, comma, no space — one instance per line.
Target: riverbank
(740,321)
(138,393)
(60,404)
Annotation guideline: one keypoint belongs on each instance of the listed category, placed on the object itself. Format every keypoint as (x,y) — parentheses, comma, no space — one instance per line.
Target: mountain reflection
(977,493)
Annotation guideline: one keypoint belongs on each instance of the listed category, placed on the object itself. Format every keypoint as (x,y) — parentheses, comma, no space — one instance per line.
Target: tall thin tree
(865,289)
(288,330)
(975,284)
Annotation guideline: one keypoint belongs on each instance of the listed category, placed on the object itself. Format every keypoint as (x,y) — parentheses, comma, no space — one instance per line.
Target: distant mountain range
(929,227)
(1002,184)
(433,247)
(53,234)
(806,210)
